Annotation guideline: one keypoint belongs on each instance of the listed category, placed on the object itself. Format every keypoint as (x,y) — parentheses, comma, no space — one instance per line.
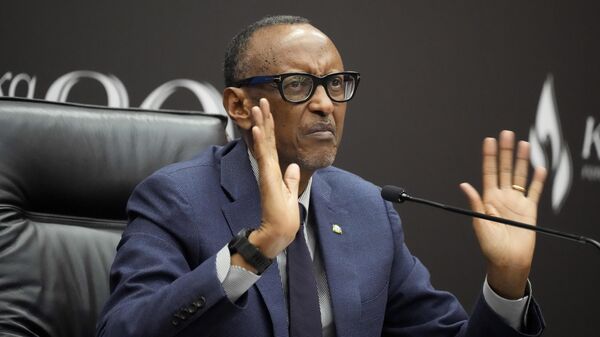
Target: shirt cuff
(513,311)
(234,279)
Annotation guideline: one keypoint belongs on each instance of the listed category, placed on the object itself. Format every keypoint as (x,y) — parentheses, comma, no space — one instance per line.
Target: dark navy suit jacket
(164,280)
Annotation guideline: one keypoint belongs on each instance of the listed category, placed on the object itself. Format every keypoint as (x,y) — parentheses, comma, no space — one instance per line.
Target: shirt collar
(304,198)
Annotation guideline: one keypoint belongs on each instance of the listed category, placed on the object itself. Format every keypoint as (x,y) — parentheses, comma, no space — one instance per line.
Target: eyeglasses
(300,87)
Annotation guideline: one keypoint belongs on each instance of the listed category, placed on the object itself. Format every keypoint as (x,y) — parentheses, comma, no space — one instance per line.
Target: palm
(507,244)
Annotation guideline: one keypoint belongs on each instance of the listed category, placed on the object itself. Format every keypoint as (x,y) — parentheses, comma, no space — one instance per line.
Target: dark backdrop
(437,77)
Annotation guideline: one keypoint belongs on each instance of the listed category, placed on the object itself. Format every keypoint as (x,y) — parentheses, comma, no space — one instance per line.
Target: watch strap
(251,254)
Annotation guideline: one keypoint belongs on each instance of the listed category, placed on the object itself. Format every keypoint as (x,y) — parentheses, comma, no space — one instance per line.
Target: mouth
(321,131)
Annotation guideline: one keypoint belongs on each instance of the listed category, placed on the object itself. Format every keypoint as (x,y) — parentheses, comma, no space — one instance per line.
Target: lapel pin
(337,229)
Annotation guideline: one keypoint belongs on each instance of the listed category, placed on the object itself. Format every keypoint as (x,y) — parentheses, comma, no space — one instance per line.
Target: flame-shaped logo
(547,133)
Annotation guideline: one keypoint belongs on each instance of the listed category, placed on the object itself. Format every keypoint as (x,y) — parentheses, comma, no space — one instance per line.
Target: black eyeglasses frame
(317,80)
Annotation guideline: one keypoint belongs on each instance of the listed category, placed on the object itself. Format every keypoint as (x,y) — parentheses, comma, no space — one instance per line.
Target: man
(178,272)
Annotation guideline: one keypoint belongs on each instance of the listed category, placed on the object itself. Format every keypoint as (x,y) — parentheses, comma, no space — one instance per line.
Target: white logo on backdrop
(208,96)
(115,90)
(116,93)
(592,138)
(15,81)
(589,170)
(547,132)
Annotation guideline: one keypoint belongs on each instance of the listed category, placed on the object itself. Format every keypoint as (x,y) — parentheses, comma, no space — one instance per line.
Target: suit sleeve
(415,308)
(154,291)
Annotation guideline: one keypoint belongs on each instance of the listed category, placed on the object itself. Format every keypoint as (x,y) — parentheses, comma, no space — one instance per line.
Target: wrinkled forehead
(298,47)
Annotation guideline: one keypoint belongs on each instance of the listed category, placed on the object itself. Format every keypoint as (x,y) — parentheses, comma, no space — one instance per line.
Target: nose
(320,102)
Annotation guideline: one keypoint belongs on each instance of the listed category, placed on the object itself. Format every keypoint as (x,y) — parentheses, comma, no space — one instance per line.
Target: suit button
(199,303)
(182,315)
(191,309)
(175,322)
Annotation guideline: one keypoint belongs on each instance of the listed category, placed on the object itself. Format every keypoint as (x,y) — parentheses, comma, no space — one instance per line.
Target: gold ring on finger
(519,188)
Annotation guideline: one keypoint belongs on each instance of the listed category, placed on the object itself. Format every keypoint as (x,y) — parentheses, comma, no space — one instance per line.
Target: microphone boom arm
(403,196)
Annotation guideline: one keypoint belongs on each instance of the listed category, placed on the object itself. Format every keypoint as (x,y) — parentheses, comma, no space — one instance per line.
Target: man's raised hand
(278,194)
(508,250)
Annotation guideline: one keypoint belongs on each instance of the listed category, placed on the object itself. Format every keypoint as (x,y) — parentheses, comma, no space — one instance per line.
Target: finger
(292,179)
(261,115)
(537,184)
(506,146)
(258,132)
(263,103)
(521,164)
(267,118)
(257,116)
(260,152)
(490,170)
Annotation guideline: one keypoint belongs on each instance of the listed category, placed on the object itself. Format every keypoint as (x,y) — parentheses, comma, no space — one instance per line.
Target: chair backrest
(66,172)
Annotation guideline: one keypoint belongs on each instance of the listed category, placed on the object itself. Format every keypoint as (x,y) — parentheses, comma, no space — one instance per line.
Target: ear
(235,102)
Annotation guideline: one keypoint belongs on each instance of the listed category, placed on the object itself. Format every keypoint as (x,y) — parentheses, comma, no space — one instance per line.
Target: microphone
(399,195)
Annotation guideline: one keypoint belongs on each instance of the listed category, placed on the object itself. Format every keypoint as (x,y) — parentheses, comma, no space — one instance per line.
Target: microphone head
(393,193)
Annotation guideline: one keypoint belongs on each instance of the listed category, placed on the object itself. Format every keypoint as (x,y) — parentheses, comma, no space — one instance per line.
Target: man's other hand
(508,250)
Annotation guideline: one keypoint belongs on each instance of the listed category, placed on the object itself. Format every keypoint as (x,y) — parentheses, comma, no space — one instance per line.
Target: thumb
(477,206)
(473,196)
(292,179)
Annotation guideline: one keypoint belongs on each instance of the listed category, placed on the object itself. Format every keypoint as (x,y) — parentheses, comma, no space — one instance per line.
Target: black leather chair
(66,172)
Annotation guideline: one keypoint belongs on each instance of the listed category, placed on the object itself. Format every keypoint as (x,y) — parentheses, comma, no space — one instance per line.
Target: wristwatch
(240,245)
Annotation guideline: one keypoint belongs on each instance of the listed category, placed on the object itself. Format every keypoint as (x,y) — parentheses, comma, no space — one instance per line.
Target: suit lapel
(244,211)
(336,250)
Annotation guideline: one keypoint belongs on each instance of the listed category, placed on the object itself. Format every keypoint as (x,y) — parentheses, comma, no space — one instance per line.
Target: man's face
(307,133)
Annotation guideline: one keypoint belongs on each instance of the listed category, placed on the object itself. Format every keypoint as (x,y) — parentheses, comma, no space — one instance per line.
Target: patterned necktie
(303,301)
